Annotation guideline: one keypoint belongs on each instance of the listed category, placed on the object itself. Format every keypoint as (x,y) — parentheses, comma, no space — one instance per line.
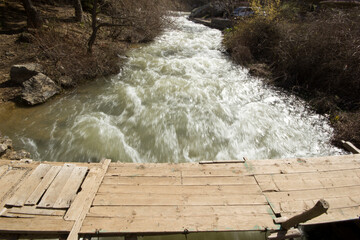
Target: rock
(218,9)
(39,89)
(26,160)
(26,38)
(17,155)
(23,72)
(3,148)
(66,81)
(6,141)
(215,9)
(201,11)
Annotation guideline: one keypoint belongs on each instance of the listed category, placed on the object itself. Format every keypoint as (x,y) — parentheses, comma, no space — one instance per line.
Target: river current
(178,99)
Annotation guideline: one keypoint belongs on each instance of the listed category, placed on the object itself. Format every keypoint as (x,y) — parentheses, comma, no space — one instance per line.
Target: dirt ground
(13,27)
(12,24)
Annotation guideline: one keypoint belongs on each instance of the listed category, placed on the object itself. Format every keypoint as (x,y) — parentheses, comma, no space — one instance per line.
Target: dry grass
(317,57)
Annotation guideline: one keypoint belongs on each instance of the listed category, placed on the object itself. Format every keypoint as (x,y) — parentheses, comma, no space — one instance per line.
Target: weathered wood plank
(177,199)
(142,180)
(306,181)
(42,225)
(53,192)
(10,180)
(137,170)
(3,169)
(335,203)
(74,234)
(180,189)
(333,215)
(302,165)
(43,186)
(327,160)
(71,187)
(172,211)
(206,172)
(86,188)
(32,210)
(150,225)
(28,186)
(219,180)
(333,195)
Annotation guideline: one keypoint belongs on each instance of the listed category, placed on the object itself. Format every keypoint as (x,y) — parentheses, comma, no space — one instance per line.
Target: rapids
(178,99)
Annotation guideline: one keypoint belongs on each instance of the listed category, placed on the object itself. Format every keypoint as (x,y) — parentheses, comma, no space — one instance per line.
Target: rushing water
(178,99)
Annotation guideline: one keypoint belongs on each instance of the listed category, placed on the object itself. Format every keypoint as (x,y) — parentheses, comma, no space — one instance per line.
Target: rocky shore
(8,152)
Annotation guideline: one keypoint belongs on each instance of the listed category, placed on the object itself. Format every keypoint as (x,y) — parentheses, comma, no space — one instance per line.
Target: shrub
(317,55)
(252,39)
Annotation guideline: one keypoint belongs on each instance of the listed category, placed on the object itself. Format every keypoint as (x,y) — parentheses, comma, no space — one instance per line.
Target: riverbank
(313,54)
(60,46)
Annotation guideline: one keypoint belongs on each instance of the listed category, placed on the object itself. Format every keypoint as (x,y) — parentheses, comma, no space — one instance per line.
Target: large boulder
(218,9)
(38,89)
(23,72)
(201,12)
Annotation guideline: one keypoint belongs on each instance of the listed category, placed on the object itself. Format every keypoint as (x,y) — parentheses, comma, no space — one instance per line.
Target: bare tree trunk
(33,17)
(94,26)
(78,10)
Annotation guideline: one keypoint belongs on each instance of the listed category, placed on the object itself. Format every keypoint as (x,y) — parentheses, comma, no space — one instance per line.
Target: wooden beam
(221,161)
(320,207)
(74,234)
(350,147)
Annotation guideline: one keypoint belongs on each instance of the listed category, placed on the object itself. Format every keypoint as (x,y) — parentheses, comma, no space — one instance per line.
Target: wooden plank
(142,180)
(28,186)
(71,187)
(172,211)
(335,203)
(327,160)
(177,199)
(136,170)
(42,225)
(219,180)
(150,225)
(53,192)
(333,215)
(206,172)
(275,198)
(180,189)
(32,210)
(300,165)
(86,188)
(221,161)
(3,169)
(10,180)
(74,234)
(43,186)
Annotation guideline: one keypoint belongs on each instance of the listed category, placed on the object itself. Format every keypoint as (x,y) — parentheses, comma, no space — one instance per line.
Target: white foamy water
(177,99)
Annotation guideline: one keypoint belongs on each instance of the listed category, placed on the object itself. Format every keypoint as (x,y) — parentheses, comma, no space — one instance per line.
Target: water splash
(178,99)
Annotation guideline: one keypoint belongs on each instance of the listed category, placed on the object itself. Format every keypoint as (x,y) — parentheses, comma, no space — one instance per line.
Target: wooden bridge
(72,200)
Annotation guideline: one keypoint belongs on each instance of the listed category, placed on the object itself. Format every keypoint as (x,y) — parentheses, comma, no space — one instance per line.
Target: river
(178,99)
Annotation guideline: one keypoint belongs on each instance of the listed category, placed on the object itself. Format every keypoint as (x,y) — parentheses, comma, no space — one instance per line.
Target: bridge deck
(113,199)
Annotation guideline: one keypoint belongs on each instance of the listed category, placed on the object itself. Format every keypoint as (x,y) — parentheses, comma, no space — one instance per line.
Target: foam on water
(178,99)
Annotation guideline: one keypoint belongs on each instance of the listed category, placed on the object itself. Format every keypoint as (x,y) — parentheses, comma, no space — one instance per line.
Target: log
(320,207)
(350,147)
